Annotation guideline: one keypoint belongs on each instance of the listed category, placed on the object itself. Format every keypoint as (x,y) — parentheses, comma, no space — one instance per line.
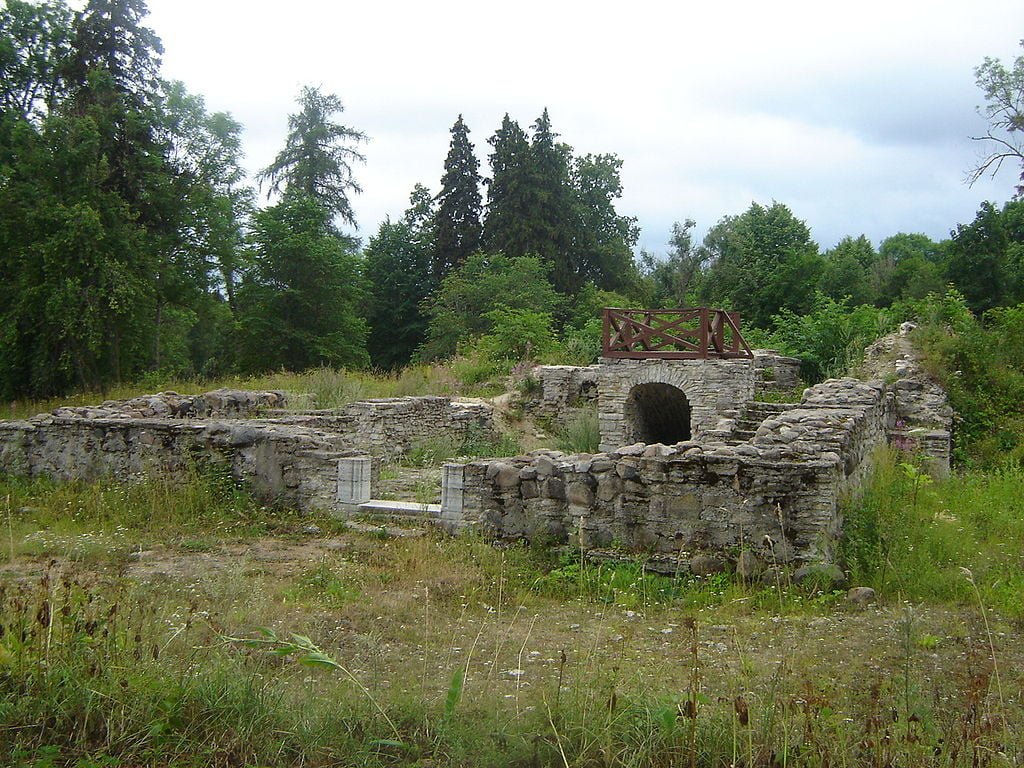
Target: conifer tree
(317,158)
(397,264)
(459,206)
(505,226)
(552,216)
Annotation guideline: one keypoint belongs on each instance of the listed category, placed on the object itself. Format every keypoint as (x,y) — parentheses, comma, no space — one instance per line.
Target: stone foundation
(389,427)
(292,465)
(316,460)
(777,496)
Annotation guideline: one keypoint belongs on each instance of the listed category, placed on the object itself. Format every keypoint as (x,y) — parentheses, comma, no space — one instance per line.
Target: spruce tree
(552,215)
(397,265)
(459,206)
(505,226)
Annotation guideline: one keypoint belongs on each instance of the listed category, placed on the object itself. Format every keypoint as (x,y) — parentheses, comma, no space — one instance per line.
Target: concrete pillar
(453,485)
(354,480)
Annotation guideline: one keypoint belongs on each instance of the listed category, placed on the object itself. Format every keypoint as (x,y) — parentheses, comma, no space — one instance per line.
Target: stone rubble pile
(218,404)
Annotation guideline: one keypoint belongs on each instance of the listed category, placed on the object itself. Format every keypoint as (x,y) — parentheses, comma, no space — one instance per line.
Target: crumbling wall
(218,404)
(561,389)
(391,426)
(777,496)
(292,464)
(923,422)
(774,372)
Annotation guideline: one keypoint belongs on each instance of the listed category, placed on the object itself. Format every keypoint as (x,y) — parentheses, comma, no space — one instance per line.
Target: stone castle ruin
(692,465)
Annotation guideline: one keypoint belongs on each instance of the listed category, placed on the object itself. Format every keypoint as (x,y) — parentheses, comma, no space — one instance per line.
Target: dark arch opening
(657,413)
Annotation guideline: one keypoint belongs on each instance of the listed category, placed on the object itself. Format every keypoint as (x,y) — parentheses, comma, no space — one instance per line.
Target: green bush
(981,366)
(831,337)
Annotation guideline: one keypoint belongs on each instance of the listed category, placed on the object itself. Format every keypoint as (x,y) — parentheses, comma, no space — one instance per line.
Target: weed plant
(581,433)
(911,540)
(93,676)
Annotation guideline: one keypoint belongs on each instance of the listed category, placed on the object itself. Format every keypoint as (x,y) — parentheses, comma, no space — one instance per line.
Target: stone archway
(657,413)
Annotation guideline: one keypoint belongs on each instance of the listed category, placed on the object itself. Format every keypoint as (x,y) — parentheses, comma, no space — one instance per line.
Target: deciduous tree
(1004,110)
(300,304)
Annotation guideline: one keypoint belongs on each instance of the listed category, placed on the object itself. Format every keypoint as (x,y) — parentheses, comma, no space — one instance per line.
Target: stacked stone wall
(923,421)
(775,373)
(712,387)
(218,404)
(389,427)
(777,496)
(563,388)
(291,464)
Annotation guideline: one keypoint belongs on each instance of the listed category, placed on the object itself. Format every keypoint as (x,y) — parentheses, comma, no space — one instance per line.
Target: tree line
(132,243)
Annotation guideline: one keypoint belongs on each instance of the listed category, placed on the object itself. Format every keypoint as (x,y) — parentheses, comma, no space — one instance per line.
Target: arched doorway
(657,413)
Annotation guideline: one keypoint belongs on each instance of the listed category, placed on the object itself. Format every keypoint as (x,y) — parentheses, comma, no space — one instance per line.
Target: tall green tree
(909,266)
(847,269)
(458,229)
(544,201)
(77,297)
(604,239)
(461,306)
(318,156)
(985,259)
(110,202)
(763,261)
(35,43)
(109,36)
(552,214)
(506,228)
(398,266)
(671,279)
(300,304)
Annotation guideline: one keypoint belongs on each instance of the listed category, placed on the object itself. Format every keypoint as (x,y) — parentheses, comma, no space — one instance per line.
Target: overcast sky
(855,115)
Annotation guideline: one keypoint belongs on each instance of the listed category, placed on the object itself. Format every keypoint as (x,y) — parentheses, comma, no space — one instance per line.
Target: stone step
(769,409)
(400,509)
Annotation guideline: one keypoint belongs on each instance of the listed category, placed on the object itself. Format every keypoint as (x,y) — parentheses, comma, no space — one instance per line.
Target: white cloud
(854,115)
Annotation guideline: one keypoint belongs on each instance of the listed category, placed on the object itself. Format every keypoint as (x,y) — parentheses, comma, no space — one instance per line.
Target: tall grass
(93,676)
(581,432)
(910,540)
(323,387)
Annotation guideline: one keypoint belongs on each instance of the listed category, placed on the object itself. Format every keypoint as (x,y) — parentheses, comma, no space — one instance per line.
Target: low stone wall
(292,464)
(299,459)
(777,496)
(389,427)
(774,372)
(218,404)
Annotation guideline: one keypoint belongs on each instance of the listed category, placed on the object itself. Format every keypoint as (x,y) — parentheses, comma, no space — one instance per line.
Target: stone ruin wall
(776,496)
(302,460)
(390,427)
(775,373)
(712,386)
(296,466)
